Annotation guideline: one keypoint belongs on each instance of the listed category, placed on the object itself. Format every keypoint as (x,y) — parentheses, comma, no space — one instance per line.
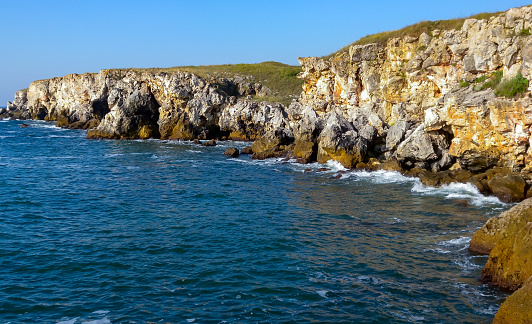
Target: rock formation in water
(507,239)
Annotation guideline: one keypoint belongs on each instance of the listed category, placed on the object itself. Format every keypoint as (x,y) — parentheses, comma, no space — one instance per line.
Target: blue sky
(44,39)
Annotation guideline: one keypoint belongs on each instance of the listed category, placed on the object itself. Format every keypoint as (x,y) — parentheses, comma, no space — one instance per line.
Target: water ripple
(166,231)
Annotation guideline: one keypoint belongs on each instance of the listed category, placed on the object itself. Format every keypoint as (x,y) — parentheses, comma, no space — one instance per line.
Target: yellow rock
(507,224)
(516,309)
(510,261)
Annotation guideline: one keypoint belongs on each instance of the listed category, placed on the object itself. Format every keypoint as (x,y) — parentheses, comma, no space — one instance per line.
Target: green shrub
(511,88)
(464,84)
(525,32)
(494,80)
(481,79)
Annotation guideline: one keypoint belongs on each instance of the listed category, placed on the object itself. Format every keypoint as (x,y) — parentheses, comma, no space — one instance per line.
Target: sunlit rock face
(429,80)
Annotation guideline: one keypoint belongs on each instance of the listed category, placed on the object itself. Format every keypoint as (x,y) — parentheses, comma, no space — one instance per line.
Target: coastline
(429,107)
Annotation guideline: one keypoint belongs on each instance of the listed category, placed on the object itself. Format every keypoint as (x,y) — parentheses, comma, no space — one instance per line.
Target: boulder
(246,150)
(305,133)
(232,152)
(517,308)
(396,134)
(417,147)
(209,143)
(507,224)
(340,142)
(510,261)
(271,140)
(508,187)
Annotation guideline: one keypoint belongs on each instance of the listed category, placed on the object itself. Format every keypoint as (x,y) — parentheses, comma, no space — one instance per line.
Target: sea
(159,231)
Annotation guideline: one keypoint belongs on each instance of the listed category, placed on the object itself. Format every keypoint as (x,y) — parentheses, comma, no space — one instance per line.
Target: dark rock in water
(246,150)
(62,122)
(271,153)
(209,143)
(232,152)
(196,141)
(508,187)
(24,125)
(462,202)
(389,165)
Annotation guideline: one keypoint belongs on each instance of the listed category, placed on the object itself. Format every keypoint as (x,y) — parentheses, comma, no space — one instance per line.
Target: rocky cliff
(127,104)
(451,106)
(430,103)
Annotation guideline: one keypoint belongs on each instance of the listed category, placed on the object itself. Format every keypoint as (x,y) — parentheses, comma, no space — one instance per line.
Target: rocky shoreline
(432,106)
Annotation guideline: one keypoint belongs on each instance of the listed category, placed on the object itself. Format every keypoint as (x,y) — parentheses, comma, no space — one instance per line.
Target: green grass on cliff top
(413,30)
(278,77)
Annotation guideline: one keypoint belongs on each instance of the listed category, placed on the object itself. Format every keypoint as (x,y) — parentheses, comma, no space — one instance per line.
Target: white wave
(457,191)
(46,124)
(336,166)
(460,241)
(323,293)
(60,136)
(437,251)
(382,176)
(466,264)
(193,151)
(113,154)
(104,320)
(70,321)
(101,312)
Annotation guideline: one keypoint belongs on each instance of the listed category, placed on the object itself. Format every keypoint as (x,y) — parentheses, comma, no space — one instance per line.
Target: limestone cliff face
(429,81)
(130,104)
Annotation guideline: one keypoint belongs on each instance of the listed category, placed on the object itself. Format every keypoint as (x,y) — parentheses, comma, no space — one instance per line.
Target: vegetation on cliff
(414,30)
(280,78)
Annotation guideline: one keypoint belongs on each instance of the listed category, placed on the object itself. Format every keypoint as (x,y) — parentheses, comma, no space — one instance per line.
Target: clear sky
(44,39)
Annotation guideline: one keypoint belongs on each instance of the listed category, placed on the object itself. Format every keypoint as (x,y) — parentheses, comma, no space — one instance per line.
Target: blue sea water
(103,231)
